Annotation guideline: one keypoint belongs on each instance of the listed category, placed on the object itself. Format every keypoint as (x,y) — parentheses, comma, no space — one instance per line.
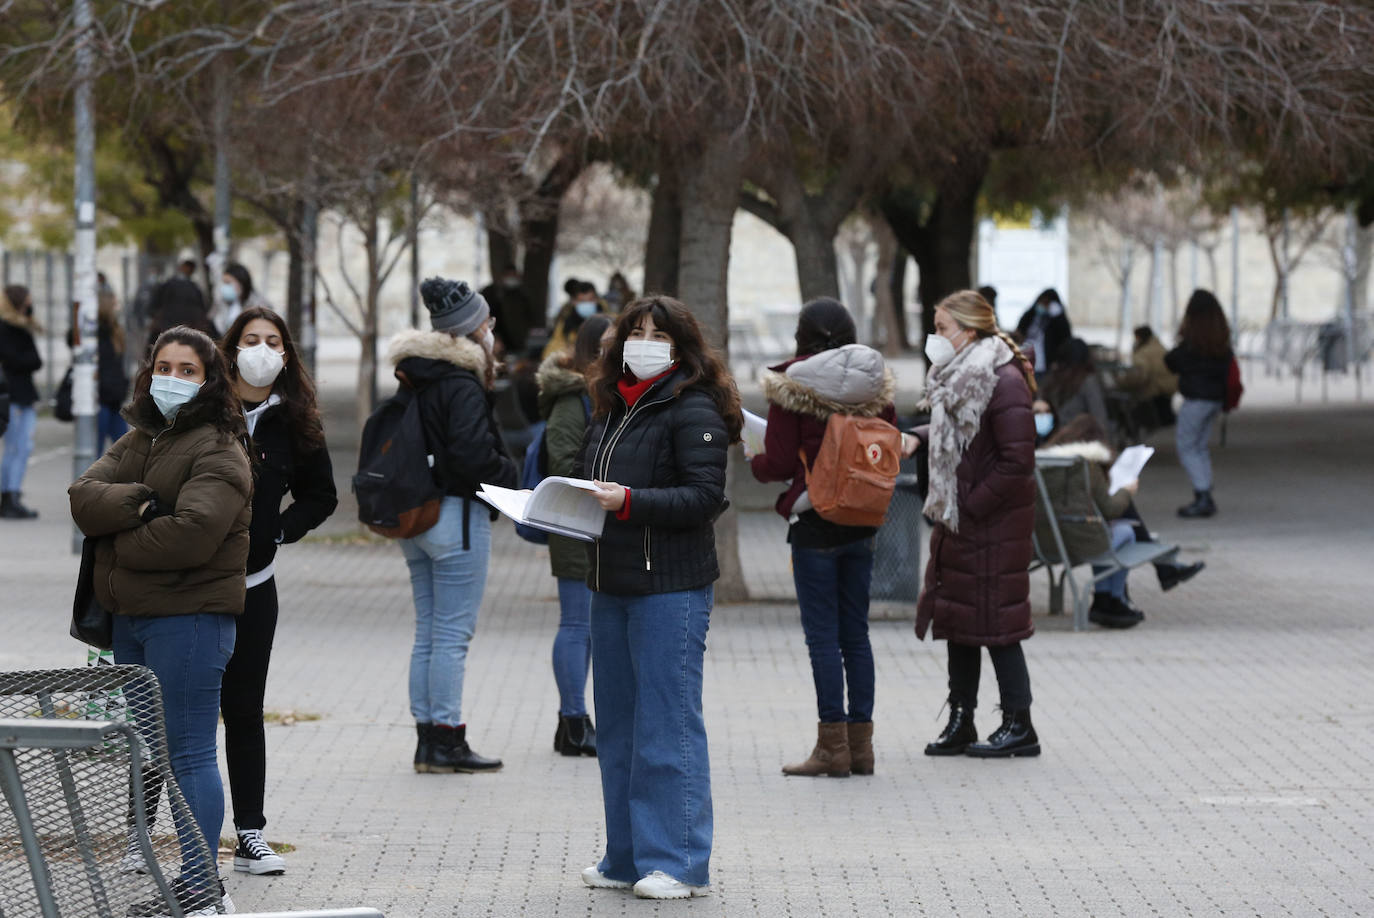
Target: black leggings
(245,683)
(1009,662)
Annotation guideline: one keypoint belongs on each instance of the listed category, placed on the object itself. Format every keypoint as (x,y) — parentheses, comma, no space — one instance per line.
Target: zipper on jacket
(648,557)
(601,464)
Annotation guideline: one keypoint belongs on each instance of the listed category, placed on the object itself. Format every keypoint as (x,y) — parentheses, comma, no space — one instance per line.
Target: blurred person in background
(19,360)
(1045,327)
(1202,360)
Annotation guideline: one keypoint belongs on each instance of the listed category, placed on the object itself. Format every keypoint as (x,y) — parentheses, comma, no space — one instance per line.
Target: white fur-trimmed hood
(851,380)
(1092,450)
(463,353)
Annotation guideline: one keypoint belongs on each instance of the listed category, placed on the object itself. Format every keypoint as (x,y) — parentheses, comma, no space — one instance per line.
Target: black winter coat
(670,451)
(1057,331)
(280,469)
(20,358)
(1199,377)
(456,410)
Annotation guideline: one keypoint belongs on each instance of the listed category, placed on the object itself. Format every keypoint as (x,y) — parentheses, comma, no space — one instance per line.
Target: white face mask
(170,393)
(489,340)
(939,350)
(647,359)
(259,365)
(228,292)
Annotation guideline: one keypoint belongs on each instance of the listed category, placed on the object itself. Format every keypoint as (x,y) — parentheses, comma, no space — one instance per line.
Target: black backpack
(397,494)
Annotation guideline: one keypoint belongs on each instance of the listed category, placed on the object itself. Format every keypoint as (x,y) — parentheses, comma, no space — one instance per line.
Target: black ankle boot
(576,736)
(588,737)
(1110,612)
(450,752)
(1171,573)
(12,509)
(560,736)
(1202,506)
(422,743)
(958,733)
(1015,737)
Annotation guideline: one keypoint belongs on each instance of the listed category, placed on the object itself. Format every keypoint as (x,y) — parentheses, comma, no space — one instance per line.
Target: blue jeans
(188,654)
(1193,430)
(18,446)
(647,654)
(832,591)
(572,648)
(1123,534)
(447,583)
(109,427)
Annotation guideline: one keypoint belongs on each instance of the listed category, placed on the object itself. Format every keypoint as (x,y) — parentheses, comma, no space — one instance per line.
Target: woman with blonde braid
(981,439)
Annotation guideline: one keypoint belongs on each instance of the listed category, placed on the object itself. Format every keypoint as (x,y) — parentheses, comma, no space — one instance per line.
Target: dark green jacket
(1088,539)
(191,560)
(560,404)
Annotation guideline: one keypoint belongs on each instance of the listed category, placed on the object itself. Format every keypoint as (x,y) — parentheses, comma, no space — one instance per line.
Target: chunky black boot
(1202,506)
(958,733)
(1110,612)
(1171,573)
(1015,737)
(450,752)
(422,743)
(12,509)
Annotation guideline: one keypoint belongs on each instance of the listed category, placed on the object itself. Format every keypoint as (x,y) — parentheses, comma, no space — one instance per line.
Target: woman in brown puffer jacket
(981,438)
(169,503)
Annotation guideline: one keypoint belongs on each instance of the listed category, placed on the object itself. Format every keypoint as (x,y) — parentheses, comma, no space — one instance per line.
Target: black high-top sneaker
(253,855)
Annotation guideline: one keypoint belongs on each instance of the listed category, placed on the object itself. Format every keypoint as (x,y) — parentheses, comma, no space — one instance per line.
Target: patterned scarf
(957,394)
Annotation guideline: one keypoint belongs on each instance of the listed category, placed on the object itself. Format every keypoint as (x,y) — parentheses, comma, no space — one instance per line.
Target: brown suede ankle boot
(830,757)
(861,748)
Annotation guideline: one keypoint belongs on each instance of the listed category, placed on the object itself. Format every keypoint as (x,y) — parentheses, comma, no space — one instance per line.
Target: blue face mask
(170,393)
(1044,423)
(585,308)
(228,292)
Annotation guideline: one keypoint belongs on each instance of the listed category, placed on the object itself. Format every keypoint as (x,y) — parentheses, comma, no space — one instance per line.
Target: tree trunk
(662,247)
(539,233)
(295,269)
(813,245)
(367,365)
(500,247)
(942,244)
(896,284)
(711,182)
(889,254)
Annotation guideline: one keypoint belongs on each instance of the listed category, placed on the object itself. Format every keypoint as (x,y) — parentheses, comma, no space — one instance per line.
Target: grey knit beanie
(453,306)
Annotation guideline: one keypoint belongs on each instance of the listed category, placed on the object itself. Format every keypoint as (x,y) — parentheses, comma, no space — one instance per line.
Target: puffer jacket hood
(849,380)
(439,347)
(555,381)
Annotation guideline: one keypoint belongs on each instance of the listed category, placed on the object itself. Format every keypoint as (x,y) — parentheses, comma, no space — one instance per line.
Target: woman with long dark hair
(982,501)
(832,564)
(19,360)
(169,502)
(666,412)
(450,370)
(566,409)
(1201,359)
(286,438)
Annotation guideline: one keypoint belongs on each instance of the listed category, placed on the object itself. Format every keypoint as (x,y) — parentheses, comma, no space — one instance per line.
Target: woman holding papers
(566,408)
(981,438)
(666,411)
(451,369)
(831,564)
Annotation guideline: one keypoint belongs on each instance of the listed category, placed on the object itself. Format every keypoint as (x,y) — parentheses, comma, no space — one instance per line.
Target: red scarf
(633,391)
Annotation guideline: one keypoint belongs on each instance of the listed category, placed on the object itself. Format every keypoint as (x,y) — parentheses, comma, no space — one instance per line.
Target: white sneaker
(598,880)
(255,856)
(133,860)
(658,885)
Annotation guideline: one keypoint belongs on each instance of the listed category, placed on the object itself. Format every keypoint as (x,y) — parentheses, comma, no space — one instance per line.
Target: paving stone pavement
(1216,760)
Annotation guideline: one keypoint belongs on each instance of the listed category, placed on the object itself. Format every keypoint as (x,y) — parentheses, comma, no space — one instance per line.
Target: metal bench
(1047,556)
(95,821)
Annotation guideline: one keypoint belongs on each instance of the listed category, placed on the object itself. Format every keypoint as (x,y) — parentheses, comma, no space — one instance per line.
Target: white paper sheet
(1128,466)
(755,428)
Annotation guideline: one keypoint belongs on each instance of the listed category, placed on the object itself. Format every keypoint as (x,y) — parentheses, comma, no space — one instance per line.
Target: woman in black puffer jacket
(666,412)
(286,440)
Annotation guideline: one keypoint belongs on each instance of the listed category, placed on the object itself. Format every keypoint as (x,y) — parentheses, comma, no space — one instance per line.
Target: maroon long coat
(977,590)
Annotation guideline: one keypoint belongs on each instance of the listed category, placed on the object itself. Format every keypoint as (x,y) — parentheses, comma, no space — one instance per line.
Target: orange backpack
(855,471)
